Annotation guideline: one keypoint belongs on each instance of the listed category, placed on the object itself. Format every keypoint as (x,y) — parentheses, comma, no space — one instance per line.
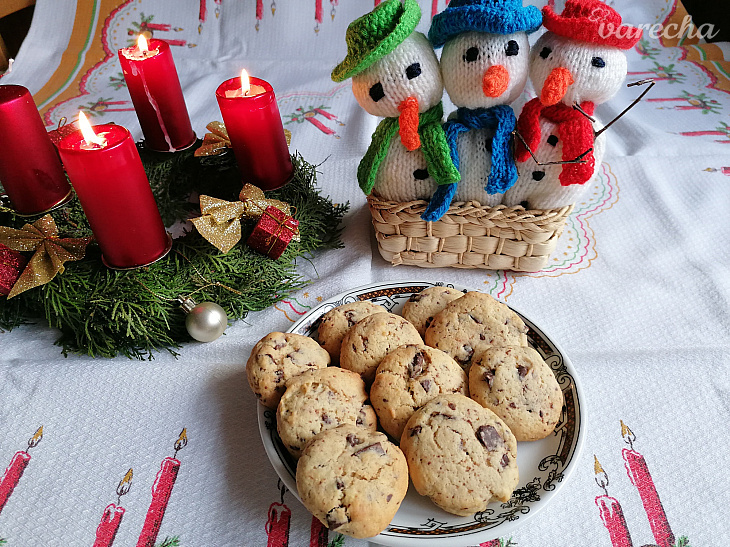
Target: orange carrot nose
(495,81)
(408,121)
(556,86)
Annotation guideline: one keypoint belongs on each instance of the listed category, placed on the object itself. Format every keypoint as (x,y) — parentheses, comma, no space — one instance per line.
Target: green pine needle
(170,542)
(339,541)
(507,543)
(683,542)
(104,313)
(3,541)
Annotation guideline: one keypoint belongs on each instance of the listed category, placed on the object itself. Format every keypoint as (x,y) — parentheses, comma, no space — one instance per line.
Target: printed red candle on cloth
(273,232)
(109,525)
(30,170)
(277,525)
(256,132)
(610,509)
(158,99)
(113,189)
(638,473)
(161,491)
(12,475)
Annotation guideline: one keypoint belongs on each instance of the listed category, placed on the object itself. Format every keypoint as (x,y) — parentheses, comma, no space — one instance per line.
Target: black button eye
(471,55)
(376,92)
(513,48)
(413,71)
(420,174)
(598,62)
(545,53)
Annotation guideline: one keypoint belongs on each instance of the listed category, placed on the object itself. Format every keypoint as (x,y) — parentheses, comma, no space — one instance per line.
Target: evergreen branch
(339,541)
(170,542)
(104,313)
(3,541)
(683,542)
(507,543)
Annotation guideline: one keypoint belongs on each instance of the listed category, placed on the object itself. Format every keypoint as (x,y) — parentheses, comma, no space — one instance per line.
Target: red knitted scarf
(574,130)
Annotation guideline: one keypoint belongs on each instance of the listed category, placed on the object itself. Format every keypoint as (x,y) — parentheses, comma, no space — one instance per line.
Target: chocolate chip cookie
(460,454)
(336,322)
(276,358)
(422,306)
(322,399)
(517,384)
(407,378)
(473,323)
(371,339)
(352,480)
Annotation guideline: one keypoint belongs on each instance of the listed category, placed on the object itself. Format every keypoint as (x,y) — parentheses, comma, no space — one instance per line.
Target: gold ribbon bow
(214,142)
(219,222)
(217,140)
(50,252)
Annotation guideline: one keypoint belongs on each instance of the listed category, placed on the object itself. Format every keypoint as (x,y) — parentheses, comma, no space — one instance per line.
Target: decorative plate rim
(498,519)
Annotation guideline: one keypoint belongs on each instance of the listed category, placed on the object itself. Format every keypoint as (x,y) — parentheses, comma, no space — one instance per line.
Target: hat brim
(407,23)
(457,20)
(594,32)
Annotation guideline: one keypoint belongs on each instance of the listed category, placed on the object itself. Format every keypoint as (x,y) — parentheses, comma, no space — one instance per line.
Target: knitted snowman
(484,65)
(395,74)
(579,61)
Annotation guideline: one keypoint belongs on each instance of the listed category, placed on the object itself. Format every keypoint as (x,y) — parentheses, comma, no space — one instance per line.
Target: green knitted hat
(376,34)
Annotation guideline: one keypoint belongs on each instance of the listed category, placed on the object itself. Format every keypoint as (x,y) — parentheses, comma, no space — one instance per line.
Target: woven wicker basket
(469,235)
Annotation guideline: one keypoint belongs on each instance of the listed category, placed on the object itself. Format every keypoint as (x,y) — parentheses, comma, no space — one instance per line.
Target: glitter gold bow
(219,222)
(217,140)
(214,142)
(50,252)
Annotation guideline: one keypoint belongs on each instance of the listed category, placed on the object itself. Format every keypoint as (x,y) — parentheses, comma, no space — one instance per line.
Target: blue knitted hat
(492,16)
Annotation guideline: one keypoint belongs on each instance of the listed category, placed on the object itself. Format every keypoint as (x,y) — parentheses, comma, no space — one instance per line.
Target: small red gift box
(273,232)
(12,264)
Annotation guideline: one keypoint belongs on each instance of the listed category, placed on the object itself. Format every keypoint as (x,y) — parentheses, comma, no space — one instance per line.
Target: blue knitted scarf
(503,173)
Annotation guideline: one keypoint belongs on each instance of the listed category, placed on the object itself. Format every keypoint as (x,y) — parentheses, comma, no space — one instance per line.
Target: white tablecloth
(637,294)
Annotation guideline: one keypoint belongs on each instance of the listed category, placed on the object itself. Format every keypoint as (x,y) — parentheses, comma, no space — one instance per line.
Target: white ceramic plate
(544,465)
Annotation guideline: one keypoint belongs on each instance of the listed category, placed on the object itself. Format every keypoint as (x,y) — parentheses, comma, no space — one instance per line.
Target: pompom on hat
(492,16)
(376,34)
(591,21)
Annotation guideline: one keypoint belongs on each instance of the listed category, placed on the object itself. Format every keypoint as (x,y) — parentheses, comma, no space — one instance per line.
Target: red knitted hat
(591,21)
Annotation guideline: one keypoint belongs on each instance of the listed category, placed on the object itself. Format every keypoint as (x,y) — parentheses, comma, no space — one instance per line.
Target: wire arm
(579,159)
(648,81)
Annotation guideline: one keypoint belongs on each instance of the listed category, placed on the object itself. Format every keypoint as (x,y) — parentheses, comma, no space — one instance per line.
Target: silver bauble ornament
(205,321)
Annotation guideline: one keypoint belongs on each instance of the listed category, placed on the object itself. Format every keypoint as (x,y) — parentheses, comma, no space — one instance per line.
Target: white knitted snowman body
(482,70)
(538,186)
(411,71)
(577,72)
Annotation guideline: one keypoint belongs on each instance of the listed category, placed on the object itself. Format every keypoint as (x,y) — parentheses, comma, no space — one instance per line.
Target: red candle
(638,473)
(277,525)
(256,132)
(30,170)
(161,491)
(112,516)
(15,469)
(107,529)
(12,475)
(111,184)
(318,533)
(611,513)
(157,96)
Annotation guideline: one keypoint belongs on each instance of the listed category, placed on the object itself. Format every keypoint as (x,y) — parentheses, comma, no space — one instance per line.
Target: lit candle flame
(36,438)
(182,440)
(245,82)
(597,468)
(142,44)
(86,130)
(627,434)
(125,484)
(601,476)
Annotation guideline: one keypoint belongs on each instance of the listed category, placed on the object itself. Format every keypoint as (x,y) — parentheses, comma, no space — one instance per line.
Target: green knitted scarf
(433,144)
